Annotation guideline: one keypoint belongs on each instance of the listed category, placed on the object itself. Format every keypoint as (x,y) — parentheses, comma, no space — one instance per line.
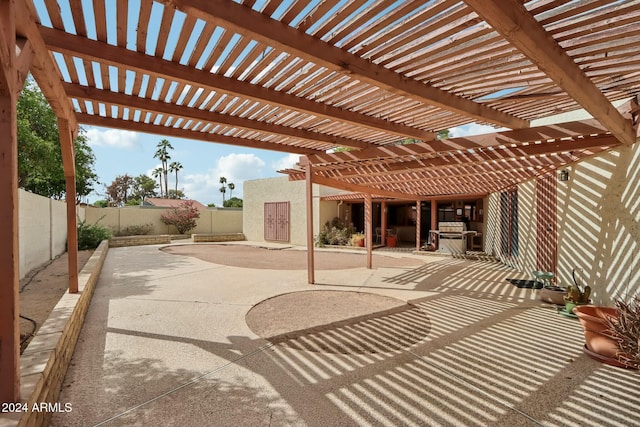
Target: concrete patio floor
(166,342)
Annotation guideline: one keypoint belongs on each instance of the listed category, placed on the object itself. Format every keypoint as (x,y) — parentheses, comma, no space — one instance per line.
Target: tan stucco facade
(598,224)
(258,192)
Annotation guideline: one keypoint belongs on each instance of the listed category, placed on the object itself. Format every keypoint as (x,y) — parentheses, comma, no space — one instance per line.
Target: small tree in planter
(182,217)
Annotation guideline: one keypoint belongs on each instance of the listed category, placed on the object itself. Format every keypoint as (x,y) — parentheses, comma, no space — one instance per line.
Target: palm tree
(232,187)
(164,157)
(175,167)
(223,189)
(157,173)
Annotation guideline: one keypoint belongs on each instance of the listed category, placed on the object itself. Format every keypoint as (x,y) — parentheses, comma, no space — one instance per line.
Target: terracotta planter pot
(596,331)
(553,294)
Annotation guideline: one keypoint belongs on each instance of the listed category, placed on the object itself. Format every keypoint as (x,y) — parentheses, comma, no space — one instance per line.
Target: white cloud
(473,129)
(114,138)
(285,162)
(237,168)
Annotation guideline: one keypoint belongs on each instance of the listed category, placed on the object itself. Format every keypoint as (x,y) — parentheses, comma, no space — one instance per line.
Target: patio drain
(339,322)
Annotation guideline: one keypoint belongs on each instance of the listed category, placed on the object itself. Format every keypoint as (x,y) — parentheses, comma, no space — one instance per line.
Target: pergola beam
(512,20)
(109,122)
(104,53)
(342,185)
(514,137)
(257,26)
(484,156)
(120,99)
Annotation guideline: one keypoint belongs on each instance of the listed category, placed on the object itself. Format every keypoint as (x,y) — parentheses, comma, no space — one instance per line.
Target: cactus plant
(576,294)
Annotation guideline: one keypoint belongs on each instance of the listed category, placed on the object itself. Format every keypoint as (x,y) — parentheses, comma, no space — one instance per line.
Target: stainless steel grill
(452,237)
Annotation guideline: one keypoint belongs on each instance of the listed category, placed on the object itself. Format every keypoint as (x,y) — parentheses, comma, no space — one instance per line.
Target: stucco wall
(212,220)
(598,224)
(42,229)
(599,217)
(257,192)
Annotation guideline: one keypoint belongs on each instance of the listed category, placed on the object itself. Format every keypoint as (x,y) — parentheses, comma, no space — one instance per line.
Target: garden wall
(212,220)
(42,233)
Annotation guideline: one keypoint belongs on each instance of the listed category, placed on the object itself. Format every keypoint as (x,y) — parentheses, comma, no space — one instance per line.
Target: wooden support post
(310,243)
(67,136)
(368,228)
(434,214)
(418,224)
(434,221)
(9,253)
(383,224)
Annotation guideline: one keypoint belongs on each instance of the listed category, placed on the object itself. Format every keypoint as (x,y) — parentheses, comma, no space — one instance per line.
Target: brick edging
(44,363)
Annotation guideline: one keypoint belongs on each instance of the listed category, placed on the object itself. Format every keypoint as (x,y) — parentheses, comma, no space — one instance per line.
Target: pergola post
(383,223)
(9,254)
(309,191)
(434,220)
(418,224)
(67,136)
(367,228)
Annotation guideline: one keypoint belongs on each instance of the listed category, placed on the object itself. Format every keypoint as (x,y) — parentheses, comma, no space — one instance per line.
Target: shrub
(182,217)
(335,232)
(136,230)
(90,235)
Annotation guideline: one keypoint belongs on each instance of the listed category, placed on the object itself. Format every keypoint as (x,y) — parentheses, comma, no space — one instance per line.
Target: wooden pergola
(307,76)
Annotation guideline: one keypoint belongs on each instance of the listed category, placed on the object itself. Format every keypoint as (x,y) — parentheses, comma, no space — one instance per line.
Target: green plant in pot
(357,239)
(625,328)
(576,294)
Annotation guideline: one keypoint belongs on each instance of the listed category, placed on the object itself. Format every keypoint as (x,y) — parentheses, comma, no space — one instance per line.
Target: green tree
(443,134)
(232,187)
(233,202)
(40,167)
(175,167)
(143,187)
(101,203)
(120,190)
(173,194)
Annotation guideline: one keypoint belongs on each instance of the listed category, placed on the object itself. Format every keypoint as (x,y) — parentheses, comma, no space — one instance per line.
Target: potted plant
(600,342)
(357,239)
(576,294)
(625,328)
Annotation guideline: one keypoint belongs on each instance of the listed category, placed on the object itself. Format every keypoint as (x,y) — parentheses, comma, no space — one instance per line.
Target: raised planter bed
(118,242)
(217,237)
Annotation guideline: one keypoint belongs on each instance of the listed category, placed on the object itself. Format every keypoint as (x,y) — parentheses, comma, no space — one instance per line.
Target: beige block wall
(258,192)
(42,229)
(212,220)
(598,224)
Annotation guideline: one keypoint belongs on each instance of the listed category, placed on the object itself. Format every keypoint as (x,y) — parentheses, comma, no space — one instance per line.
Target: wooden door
(547,224)
(276,221)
